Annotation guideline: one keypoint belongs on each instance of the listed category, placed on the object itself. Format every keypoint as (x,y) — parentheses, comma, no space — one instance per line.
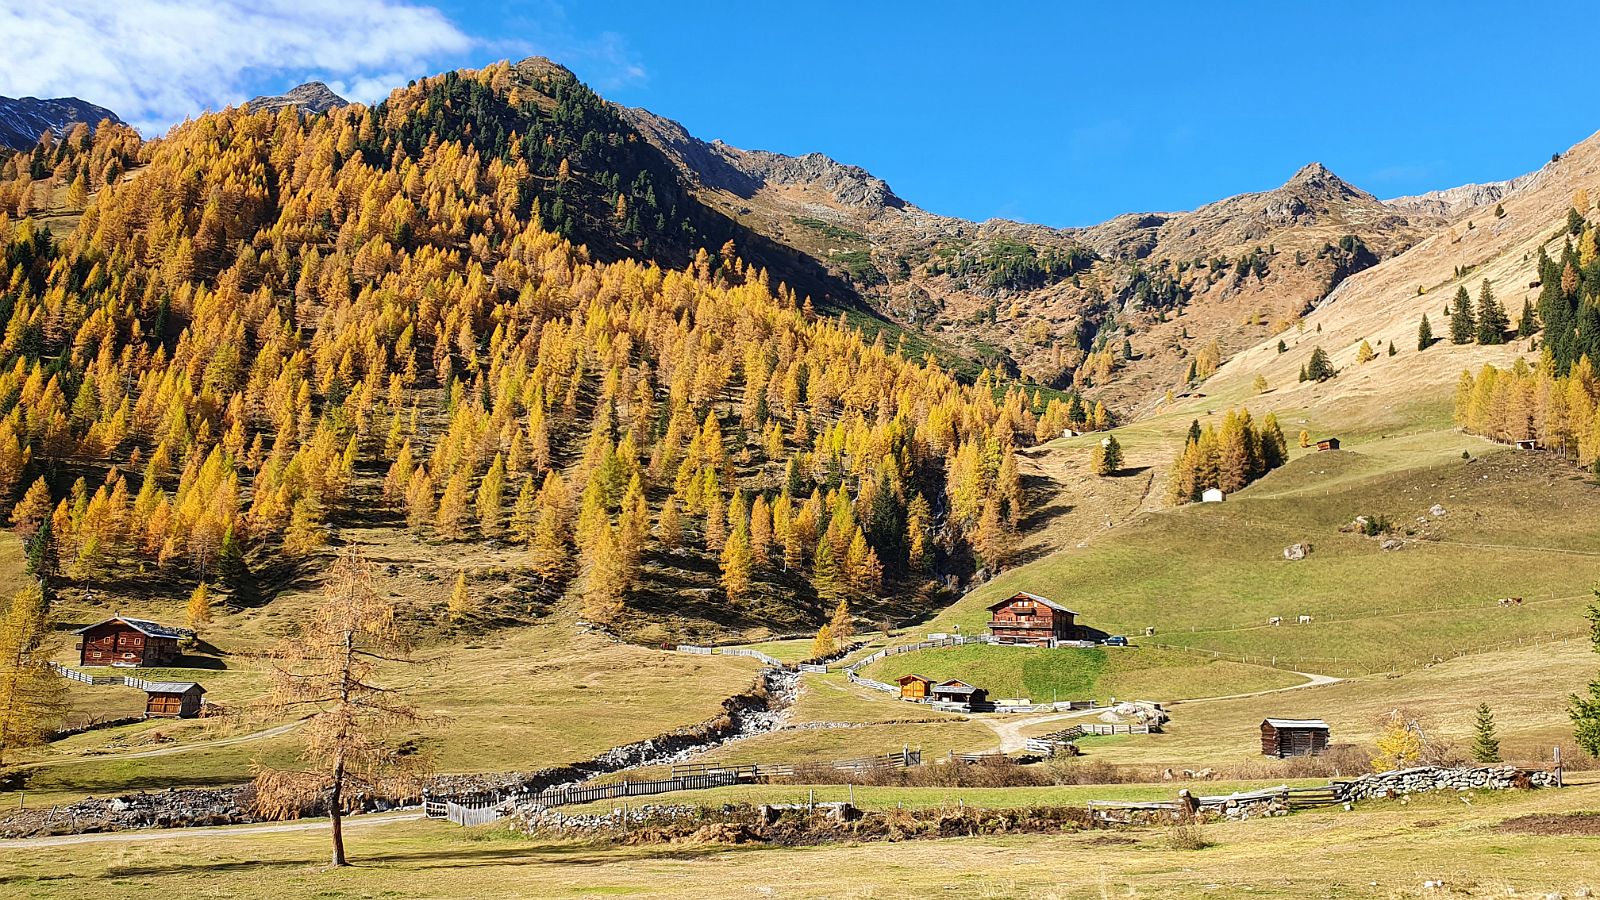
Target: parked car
(1117,640)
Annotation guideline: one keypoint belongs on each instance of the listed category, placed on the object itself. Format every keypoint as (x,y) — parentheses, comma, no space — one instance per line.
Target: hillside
(24,119)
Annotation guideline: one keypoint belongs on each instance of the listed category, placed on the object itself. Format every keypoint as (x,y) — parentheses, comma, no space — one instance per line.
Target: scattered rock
(1437,511)
(1296,551)
(1392,544)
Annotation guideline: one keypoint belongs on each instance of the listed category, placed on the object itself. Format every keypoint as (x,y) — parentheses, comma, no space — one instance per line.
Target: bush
(1187,836)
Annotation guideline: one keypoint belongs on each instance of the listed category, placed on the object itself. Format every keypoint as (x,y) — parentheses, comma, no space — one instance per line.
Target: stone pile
(1440,778)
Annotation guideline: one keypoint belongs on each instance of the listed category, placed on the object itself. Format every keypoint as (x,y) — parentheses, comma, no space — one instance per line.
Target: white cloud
(155,62)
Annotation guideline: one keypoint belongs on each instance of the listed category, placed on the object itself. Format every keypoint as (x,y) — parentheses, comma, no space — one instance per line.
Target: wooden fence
(755,771)
(735,651)
(75,675)
(480,809)
(952,641)
(484,808)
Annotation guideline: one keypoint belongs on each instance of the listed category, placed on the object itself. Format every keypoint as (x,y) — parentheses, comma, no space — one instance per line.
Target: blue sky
(1058,113)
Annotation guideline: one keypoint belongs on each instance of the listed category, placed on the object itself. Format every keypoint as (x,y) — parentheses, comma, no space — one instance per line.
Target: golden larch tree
(351,736)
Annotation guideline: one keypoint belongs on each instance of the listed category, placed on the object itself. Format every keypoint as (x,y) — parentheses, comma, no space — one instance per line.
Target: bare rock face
(744,172)
(1447,203)
(23,119)
(312,97)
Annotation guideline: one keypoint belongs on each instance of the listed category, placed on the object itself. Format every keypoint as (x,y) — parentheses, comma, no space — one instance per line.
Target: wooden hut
(1212,495)
(914,687)
(957,693)
(121,641)
(1293,737)
(1025,618)
(1328,444)
(172,699)
(1527,445)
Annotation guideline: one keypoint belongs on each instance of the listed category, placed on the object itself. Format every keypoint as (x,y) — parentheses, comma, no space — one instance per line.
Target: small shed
(1293,737)
(914,687)
(1527,445)
(1212,495)
(121,641)
(958,693)
(1328,444)
(172,699)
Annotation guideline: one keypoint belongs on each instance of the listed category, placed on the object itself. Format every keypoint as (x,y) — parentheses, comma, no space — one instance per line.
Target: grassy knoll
(524,699)
(1081,674)
(1209,576)
(1382,849)
(1526,689)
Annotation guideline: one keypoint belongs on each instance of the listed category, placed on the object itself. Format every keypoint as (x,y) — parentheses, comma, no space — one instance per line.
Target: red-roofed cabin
(914,687)
(120,641)
(1025,618)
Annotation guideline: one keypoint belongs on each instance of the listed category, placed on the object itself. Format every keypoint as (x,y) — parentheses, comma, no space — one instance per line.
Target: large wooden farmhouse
(120,641)
(1025,618)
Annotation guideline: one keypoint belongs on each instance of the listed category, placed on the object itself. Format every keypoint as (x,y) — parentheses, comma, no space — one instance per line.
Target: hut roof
(143,626)
(1024,595)
(172,687)
(903,679)
(954,687)
(1297,723)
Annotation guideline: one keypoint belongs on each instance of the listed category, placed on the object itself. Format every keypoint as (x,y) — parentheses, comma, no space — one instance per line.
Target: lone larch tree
(351,734)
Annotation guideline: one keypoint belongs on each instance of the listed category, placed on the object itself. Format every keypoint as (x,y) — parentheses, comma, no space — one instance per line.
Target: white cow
(1275,620)
(1305,620)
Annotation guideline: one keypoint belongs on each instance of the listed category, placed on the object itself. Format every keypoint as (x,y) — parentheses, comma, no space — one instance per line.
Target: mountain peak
(312,97)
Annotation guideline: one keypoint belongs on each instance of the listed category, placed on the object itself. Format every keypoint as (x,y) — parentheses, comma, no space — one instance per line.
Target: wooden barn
(1328,444)
(914,687)
(1293,737)
(172,699)
(957,693)
(121,641)
(1025,618)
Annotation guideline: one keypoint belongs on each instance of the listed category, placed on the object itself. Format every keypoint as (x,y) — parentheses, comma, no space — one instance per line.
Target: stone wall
(1440,778)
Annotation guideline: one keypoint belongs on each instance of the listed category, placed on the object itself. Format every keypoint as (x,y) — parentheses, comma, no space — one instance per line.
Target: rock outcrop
(312,97)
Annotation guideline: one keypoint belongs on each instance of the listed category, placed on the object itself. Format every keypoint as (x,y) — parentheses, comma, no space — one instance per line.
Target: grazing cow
(1150,631)
(1275,620)
(1305,620)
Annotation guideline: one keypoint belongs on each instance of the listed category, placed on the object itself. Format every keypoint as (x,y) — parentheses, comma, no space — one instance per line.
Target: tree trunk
(336,812)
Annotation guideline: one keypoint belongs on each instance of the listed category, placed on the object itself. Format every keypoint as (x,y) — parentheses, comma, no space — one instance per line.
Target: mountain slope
(1094,306)
(23,119)
(1386,303)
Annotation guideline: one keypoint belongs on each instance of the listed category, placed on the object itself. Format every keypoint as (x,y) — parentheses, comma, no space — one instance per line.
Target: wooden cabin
(172,699)
(1025,618)
(1293,737)
(121,641)
(914,687)
(1527,445)
(957,693)
(1328,444)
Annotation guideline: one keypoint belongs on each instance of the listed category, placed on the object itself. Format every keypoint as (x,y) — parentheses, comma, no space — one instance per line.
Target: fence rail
(952,641)
(753,771)
(484,809)
(86,678)
(735,651)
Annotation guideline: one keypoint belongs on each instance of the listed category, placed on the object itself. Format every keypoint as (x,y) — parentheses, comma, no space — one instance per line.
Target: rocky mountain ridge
(23,119)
